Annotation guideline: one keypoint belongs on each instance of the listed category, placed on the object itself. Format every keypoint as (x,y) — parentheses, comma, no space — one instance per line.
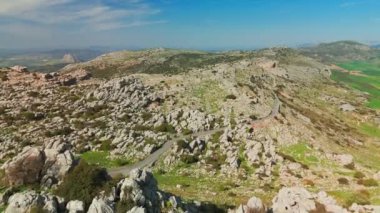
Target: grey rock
(75,206)
(99,205)
(26,167)
(22,202)
(293,200)
(137,210)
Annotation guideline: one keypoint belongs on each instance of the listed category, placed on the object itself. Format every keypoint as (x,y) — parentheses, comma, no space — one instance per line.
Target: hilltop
(341,51)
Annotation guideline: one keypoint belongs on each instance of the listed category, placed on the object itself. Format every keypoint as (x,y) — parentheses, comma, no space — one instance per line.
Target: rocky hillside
(214,129)
(341,51)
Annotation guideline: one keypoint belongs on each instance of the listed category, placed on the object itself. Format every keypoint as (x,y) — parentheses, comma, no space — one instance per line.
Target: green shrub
(37,209)
(146,116)
(216,137)
(187,132)
(124,206)
(165,128)
(106,145)
(368,182)
(182,144)
(33,94)
(343,181)
(142,128)
(29,116)
(149,141)
(359,175)
(189,159)
(232,97)
(3,181)
(83,183)
(216,161)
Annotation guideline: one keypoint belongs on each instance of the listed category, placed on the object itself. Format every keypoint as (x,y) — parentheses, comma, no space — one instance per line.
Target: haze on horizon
(206,24)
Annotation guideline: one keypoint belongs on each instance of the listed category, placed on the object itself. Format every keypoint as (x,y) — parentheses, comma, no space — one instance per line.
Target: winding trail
(274,112)
(152,158)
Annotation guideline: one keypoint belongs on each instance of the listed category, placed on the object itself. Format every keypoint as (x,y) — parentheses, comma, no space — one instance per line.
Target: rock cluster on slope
(35,165)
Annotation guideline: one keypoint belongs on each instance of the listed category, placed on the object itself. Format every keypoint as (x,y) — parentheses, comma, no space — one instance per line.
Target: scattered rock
(75,206)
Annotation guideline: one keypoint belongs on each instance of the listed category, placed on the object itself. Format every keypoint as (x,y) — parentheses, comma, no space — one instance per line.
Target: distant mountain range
(341,51)
(47,60)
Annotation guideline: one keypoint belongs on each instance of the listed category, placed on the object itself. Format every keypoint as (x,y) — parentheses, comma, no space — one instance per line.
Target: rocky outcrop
(298,199)
(35,165)
(141,191)
(294,200)
(345,160)
(26,167)
(254,205)
(128,92)
(100,205)
(25,201)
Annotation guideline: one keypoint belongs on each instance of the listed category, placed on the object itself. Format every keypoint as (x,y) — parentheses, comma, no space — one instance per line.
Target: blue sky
(198,24)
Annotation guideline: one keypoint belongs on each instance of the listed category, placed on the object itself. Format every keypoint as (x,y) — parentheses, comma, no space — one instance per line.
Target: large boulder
(345,160)
(26,167)
(34,165)
(140,188)
(100,205)
(293,200)
(25,201)
(254,205)
(141,191)
(59,161)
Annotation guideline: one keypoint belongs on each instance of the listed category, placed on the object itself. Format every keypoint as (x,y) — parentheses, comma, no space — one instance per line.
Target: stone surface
(75,206)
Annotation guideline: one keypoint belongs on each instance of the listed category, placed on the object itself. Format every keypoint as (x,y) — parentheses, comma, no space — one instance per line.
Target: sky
(191,24)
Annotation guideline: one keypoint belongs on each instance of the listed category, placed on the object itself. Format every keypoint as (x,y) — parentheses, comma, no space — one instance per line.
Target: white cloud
(83,13)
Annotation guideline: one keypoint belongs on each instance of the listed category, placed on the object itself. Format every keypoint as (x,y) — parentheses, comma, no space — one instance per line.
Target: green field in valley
(369,82)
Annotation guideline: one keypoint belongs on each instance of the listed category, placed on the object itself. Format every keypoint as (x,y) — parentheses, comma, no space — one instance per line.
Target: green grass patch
(102,159)
(203,189)
(302,153)
(347,198)
(370,130)
(211,95)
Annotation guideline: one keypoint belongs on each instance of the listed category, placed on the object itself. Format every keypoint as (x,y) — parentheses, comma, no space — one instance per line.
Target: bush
(361,197)
(343,181)
(189,159)
(29,116)
(359,175)
(165,128)
(83,183)
(37,209)
(33,94)
(146,116)
(3,181)
(231,97)
(368,182)
(106,145)
(4,78)
(182,144)
(142,128)
(187,132)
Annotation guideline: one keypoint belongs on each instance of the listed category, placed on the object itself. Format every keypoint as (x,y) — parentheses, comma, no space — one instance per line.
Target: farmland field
(369,82)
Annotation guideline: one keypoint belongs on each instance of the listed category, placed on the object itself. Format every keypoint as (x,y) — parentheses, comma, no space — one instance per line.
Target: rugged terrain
(214,129)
